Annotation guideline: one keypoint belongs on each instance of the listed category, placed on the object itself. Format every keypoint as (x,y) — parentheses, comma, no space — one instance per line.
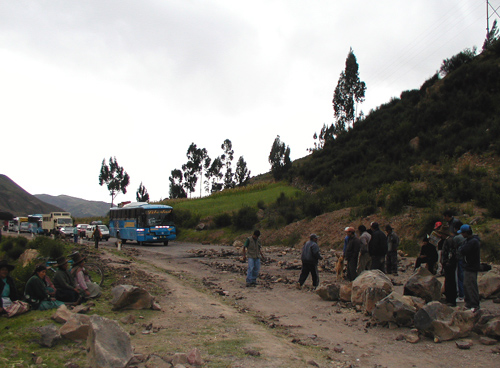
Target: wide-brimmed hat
(61,261)
(4,263)
(78,258)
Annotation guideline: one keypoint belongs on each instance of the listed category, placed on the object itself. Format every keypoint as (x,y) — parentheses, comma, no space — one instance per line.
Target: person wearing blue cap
(470,253)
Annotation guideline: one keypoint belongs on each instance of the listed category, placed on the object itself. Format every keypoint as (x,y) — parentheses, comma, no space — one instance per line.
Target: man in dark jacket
(352,253)
(310,258)
(7,287)
(377,247)
(66,290)
(471,255)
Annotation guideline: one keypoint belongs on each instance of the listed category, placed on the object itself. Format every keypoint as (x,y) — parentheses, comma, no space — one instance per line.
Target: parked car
(24,227)
(82,230)
(104,232)
(66,232)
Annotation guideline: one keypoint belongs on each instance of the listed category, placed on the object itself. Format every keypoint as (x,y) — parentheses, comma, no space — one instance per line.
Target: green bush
(21,275)
(222,220)
(245,218)
(410,247)
(185,218)
(490,250)
(48,247)
(13,247)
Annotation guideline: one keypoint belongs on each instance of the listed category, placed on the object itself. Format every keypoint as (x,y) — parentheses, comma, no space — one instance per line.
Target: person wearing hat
(377,247)
(253,247)
(8,291)
(35,291)
(310,257)
(352,252)
(470,252)
(66,290)
(392,250)
(82,279)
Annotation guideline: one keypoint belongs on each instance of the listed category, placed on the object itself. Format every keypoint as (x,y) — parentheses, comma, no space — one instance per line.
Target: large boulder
(62,314)
(443,322)
(488,324)
(108,344)
(28,256)
(489,285)
(49,335)
(76,328)
(424,285)
(330,292)
(130,297)
(374,279)
(346,292)
(396,308)
(370,287)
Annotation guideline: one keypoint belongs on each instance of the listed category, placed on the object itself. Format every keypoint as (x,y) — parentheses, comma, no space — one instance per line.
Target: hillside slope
(19,202)
(77,206)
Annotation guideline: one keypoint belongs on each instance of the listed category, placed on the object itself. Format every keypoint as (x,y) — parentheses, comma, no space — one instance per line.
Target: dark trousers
(352,265)
(450,282)
(309,268)
(96,243)
(69,296)
(392,262)
(378,263)
(430,265)
(471,289)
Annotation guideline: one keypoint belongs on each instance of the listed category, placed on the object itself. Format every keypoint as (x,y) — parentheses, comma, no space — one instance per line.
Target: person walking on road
(253,247)
(97,236)
(310,258)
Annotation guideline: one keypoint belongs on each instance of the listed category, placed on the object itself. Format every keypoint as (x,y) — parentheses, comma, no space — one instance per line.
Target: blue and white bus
(143,223)
(35,224)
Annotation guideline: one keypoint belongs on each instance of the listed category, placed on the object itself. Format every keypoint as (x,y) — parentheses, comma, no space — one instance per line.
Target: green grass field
(233,199)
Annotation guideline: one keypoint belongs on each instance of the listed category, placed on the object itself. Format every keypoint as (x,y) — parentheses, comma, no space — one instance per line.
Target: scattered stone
(330,292)
(179,358)
(76,328)
(443,322)
(252,352)
(155,361)
(130,319)
(49,335)
(496,350)
(108,344)
(487,340)
(130,297)
(71,365)
(132,332)
(372,296)
(62,314)
(489,284)
(464,344)
(346,292)
(156,306)
(395,308)
(338,349)
(313,363)
(82,309)
(412,338)
(374,279)
(194,357)
(424,285)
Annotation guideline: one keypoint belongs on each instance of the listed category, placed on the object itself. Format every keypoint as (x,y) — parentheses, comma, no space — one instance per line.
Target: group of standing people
(41,293)
(458,251)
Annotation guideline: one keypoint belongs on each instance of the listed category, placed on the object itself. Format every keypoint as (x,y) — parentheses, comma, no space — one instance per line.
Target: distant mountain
(19,202)
(77,206)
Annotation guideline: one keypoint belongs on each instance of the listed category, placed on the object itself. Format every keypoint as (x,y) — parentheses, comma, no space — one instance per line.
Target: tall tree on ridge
(279,158)
(142,194)
(350,90)
(115,178)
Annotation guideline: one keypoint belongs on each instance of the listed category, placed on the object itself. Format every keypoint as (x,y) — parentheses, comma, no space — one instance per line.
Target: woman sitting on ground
(36,293)
(428,255)
(9,296)
(66,290)
(82,279)
(8,290)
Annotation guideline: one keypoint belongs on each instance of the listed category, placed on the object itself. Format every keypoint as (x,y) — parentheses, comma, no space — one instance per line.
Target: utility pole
(488,6)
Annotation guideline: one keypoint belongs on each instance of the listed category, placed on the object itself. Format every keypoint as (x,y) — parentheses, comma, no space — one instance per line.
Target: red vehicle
(82,228)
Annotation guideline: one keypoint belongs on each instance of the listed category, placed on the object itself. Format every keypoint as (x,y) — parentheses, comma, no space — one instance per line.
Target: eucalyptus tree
(279,158)
(142,194)
(115,178)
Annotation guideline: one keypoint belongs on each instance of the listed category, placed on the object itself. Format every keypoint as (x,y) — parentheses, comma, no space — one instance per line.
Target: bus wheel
(123,241)
(165,243)
(140,242)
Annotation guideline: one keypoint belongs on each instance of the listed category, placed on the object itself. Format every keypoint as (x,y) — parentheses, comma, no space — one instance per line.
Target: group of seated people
(68,287)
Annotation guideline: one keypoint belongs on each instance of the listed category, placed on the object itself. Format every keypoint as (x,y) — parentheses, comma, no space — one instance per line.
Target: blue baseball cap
(465,228)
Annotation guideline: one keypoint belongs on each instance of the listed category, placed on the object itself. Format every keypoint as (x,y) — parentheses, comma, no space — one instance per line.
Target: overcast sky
(81,81)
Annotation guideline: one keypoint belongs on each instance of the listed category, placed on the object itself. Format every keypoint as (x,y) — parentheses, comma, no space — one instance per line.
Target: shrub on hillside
(185,218)
(13,247)
(245,218)
(48,247)
(222,220)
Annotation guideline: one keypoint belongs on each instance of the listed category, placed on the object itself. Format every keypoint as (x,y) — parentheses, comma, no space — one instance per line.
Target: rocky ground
(205,304)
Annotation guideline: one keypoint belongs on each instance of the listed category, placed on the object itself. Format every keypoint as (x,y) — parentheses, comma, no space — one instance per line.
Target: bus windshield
(160,217)
(65,221)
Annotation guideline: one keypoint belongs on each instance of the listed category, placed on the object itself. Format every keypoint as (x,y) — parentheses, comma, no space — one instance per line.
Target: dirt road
(207,305)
